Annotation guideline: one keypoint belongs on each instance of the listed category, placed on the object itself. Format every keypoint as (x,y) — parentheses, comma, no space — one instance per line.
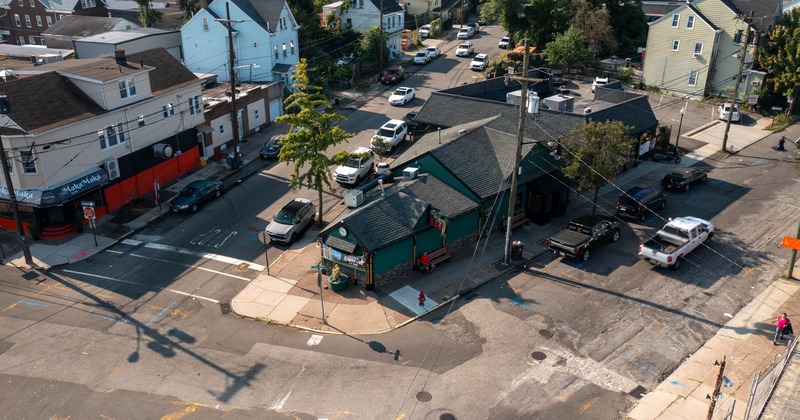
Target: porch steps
(57,231)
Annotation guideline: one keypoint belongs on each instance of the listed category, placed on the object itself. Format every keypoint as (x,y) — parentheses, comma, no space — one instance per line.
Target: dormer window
(88,4)
(127,88)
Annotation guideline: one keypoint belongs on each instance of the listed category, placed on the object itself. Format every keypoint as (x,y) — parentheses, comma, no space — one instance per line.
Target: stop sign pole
(89,214)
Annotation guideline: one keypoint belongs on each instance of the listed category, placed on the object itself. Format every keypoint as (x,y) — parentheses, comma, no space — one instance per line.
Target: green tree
(369,47)
(380,147)
(311,133)
(595,152)
(189,7)
(539,21)
(147,15)
(595,26)
(567,49)
(783,56)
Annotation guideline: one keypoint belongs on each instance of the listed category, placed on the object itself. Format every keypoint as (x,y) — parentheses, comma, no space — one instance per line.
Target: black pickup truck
(582,234)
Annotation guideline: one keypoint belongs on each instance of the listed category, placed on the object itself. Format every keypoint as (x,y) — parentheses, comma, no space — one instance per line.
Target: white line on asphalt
(141,284)
(314,340)
(221,273)
(215,257)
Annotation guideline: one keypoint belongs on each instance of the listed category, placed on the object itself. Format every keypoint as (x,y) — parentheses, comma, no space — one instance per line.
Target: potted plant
(337,280)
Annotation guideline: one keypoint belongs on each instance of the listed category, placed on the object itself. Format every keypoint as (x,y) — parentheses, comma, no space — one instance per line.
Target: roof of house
(395,216)
(65,103)
(389,6)
(82,26)
(263,12)
(167,72)
(100,69)
(117,37)
(440,196)
(760,8)
(61,5)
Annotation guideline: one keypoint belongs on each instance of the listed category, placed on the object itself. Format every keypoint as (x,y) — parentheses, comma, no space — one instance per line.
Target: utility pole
(745,42)
(381,44)
(715,396)
(237,160)
(12,196)
(512,198)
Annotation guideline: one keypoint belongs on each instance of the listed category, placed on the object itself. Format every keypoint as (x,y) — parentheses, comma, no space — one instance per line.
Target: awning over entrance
(204,128)
(340,244)
(61,193)
(281,68)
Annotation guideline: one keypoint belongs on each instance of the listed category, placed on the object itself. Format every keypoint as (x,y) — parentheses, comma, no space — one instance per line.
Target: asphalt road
(137,331)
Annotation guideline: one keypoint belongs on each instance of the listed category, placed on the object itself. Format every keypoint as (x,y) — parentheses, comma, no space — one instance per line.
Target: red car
(393,75)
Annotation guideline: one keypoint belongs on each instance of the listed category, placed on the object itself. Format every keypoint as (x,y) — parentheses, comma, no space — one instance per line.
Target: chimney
(439,132)
(119,56)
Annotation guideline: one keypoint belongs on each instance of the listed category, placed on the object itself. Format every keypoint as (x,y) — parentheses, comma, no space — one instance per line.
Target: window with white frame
(112,135)
(140,120)
(88,4)
(692,77)
(33,3)
(44,41)
(205,24)
(28,162)
(698,49)
(22,40)
(127,88)
(676,20)
(361,4)
(276,52)
(676,44)
(49,21)
(38,21)
(285,54)
(690,22)
(17,22)
(32,39)
(21,2)
(194,105)
(291,46)
(169,110)
(28,21)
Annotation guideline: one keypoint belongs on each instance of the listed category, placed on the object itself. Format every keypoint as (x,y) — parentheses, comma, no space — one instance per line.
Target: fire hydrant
(421,298)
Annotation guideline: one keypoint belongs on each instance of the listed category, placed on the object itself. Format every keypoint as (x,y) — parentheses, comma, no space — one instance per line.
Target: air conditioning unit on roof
(112,168)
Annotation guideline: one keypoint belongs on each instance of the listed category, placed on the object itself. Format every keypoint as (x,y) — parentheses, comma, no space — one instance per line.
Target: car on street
(290,223)
(476,27)
(504,42)
(582,234)
(638,202)
(680,236)
(422,57)
(434,51)
(557,76)
(479,62)
(465,32)
(725,108)
(465,49)
(402,96)
(357,168)
(393,75)
(392,133)
(196,193)
(413,125)
(271,148)
(425,31)
(683,179)
(599,81)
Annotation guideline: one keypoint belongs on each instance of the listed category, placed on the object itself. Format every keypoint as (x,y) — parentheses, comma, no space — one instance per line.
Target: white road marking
(279,405)
(140,284)
(196,267)
(314,340)
(409,297)
(210,256)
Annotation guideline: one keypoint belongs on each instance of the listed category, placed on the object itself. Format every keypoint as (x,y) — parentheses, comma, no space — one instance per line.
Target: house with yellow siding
(694,51)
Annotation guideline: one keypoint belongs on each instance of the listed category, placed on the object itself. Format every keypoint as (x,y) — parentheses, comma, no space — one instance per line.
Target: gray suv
(290,223)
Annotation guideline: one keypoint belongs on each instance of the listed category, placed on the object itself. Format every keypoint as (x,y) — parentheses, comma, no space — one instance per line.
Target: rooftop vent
(353,198)
(587,111)
(119,56)
(410,173)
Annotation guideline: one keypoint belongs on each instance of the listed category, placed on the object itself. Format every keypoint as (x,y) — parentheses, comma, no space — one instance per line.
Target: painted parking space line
(521,305)
(206,255)
(409,297)
(161,313)
(196,267)
(80,273)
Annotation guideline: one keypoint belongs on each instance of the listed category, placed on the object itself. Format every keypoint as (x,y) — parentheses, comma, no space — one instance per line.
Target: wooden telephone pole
(237,155)
(743,54)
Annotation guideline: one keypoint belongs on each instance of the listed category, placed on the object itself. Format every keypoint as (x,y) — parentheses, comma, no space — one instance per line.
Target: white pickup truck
(675,240)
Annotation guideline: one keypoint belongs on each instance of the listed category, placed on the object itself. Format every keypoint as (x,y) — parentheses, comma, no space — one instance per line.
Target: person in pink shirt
(780,324)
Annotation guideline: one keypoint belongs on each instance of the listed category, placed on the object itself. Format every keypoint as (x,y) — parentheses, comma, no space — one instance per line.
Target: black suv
(638,202)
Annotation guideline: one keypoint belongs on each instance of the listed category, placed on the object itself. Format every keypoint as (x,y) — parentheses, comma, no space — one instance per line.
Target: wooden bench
(518,220)
(438,256)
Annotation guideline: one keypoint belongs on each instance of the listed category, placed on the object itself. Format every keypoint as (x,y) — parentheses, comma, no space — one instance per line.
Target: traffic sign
(88,213)
(87,203)
(318,267)
(789,242)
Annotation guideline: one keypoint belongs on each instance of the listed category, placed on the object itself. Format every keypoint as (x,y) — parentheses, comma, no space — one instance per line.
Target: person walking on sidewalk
(780,324)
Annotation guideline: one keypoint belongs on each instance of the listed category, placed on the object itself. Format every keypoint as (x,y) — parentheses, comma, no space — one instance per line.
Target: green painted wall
(463,226)
(392,256)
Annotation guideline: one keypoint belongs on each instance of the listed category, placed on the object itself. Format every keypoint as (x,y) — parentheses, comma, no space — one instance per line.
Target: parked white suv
(725,108)
(465,49)
(392,133)
(479,62)
(357,168)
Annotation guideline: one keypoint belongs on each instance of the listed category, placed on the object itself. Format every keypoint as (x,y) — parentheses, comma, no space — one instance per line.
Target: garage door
(275,109)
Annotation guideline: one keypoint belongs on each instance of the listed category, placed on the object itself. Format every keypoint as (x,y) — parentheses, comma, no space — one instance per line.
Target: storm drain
(447,416)
(424,396)
(545,333)
(225,308)
(537,355)
(638,392)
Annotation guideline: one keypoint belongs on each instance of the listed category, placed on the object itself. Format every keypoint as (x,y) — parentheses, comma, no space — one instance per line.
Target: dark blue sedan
(196,193)
(271,148)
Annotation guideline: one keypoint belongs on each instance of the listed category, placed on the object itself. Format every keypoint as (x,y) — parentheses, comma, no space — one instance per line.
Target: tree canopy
(783,56)
(595,152)
(311,133)
(370,44)
(568,49)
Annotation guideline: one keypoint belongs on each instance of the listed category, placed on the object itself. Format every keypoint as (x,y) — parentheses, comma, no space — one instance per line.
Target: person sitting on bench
(425,261)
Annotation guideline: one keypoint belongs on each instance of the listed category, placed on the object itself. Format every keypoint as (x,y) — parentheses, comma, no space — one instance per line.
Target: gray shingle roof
(760,9)
(385,221)
(263,12)
(634,111)
(168,73)
(83,26)
(389,6)
(440,196)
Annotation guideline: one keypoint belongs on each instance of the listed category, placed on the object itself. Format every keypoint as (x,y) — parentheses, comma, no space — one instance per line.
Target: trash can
(516,250)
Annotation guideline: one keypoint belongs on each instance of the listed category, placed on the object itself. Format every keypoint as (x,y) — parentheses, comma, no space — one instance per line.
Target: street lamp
(677,139)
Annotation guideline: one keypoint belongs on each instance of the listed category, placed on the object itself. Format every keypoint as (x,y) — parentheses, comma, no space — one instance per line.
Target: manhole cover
(424,396)
(226,308)
(638,392)
(537,355)
(545,333)
(447,416)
